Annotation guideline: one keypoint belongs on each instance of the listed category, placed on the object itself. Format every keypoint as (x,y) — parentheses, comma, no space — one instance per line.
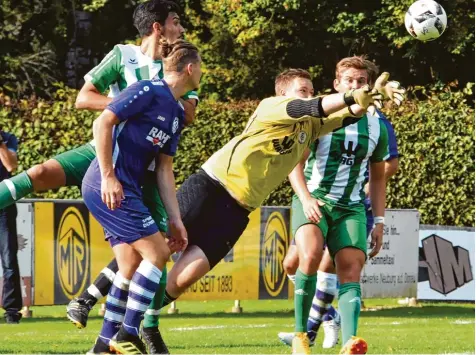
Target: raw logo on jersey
(157,137)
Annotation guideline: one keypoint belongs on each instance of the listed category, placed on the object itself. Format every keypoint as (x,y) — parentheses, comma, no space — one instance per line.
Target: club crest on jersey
(175,125)
(302,137)
(157,137)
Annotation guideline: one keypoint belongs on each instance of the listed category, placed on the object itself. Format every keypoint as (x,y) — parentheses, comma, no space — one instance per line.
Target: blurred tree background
(46,47)
(244,43)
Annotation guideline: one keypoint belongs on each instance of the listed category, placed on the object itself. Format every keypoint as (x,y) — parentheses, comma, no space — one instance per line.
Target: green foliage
(46,128)
(436,141)
(246,43)
(435,131)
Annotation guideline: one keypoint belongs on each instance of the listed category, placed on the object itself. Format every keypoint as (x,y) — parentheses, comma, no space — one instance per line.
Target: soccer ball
(425,20)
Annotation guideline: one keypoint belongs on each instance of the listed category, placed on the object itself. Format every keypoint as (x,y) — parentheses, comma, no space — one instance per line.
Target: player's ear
(189,68)
(282,92)
(336,84)
(157,28)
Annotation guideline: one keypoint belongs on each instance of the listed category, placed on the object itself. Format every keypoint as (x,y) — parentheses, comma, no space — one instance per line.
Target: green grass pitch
(211,328)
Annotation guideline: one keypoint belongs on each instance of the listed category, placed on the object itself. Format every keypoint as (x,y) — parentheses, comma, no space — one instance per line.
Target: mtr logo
(273,248)
(72,254)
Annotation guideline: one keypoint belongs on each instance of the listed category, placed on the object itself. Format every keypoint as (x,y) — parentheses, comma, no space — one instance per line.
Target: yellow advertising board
(253,269)
(70,252)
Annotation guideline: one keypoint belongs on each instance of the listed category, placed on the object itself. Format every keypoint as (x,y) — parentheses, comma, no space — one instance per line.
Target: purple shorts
(126,224)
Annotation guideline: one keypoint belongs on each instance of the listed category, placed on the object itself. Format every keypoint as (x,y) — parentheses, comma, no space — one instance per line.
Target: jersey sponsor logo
(146,222)
(156,81)
(302,137)
(161,118)
(72,252)
(349,152)
(445,266)
(274,244)
(284,146)
(175,125)
(157,137)
(133,61)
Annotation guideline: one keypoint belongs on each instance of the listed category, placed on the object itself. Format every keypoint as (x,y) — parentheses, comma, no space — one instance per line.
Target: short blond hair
(358,62)
(286,77)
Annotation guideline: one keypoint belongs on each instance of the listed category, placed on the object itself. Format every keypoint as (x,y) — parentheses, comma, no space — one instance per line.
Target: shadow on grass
(400,312)
(425,311)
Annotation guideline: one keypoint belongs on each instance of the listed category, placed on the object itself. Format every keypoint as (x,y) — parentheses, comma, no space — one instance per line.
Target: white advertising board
(394,271)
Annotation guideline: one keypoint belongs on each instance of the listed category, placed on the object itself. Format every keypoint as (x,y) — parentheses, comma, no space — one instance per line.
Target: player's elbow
(391,168)
(189,118)
(80,102)
(12,165)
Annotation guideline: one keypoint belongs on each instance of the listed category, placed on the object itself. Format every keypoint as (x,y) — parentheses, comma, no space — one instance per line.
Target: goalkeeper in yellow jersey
(215,202)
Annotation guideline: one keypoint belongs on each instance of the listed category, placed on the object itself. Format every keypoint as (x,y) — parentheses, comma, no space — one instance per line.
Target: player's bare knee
(309,262)
(159,258)
(38,173)
(327,264)
(291,263)
(349,264)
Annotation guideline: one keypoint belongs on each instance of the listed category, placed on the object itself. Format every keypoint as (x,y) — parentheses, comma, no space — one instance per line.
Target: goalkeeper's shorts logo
(72,252)
(274,245)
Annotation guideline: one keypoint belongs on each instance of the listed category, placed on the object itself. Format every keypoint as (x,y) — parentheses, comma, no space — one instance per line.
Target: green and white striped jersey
(125,65)
(336,168)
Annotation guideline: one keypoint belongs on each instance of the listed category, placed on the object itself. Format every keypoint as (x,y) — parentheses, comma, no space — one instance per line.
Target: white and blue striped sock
(145,283)
(115,307)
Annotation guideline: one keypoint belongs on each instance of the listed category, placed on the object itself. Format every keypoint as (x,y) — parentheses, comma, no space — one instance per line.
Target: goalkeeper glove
(390,90)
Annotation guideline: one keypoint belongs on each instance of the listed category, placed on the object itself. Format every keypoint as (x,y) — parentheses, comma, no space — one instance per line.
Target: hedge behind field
(435,131)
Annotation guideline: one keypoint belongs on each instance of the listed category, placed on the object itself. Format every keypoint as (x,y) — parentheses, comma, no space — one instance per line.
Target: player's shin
(14,188)
(349,308)
(304,291)
(115,307)
(144,284)
(151,317)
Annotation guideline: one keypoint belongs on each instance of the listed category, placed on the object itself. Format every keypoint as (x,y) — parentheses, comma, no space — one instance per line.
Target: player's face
(172,29)
(301,88)
(195,72)
(351,79)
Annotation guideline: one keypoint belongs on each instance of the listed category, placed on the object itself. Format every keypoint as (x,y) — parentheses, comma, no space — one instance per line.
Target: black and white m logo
(445,266)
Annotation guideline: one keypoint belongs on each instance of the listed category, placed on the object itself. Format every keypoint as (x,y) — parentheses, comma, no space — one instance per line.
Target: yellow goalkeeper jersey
(253,164)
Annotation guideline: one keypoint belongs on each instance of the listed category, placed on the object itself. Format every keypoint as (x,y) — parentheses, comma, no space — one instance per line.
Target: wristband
(351,112)
(349,98)
(379,220)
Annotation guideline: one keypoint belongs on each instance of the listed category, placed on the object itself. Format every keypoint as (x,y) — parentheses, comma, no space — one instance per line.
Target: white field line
(205,327)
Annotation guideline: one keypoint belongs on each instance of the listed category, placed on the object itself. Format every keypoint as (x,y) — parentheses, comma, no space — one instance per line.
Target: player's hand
(377,239)
(390,90)
(367,98)
(311,209)
(178,239)
(111,192)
